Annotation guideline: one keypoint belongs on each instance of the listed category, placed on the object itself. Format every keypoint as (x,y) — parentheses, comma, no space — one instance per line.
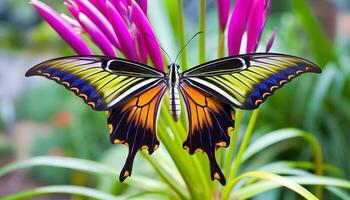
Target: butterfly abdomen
(175,107)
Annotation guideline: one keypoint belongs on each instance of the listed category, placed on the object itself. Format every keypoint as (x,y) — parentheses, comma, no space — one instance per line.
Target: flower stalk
(201,37)
(233,143)
(182,35)
(221,46)
(243,146)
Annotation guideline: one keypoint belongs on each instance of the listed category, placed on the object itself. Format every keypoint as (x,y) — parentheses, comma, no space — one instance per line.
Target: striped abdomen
(175,107)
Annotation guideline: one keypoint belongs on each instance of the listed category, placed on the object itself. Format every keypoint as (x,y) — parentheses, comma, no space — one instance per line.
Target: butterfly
(132,94)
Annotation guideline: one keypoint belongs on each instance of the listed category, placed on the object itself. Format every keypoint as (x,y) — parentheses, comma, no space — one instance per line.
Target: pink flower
(121,30)
(113,25)
(143,5)
(97,36)
(250,16)
(98,18)
(256,23)
(64,29)
(148,36)
(237,25)
(270,41)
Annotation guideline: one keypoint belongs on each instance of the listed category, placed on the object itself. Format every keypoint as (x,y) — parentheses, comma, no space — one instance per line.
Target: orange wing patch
(209,122)
(133,123)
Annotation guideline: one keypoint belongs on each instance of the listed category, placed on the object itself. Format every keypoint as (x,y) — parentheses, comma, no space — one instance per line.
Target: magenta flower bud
(74,23)
(99,19)
(270,41)
(237,25)
(72,9)
(142,49)
(97,36)
(121,29)
(148,36)
(120,5)
(256,23)
(64,29)
(223,11)
(99,4)
(143,5)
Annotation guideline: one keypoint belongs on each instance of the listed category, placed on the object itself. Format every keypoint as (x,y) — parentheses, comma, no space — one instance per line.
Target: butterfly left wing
(210,123)
(133,123)
(130,91)
(245,81)
(102,82)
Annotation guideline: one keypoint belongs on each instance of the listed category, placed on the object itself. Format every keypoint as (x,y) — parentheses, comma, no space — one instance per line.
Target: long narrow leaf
(62,189)
(280,180)
(263,186)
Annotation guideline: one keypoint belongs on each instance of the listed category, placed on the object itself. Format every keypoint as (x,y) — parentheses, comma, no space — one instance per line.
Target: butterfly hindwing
(133,123)
(245,81)
(210,124)
(102,82)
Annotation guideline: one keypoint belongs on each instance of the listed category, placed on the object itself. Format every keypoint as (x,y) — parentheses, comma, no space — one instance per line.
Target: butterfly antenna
(189,41)
(155,41)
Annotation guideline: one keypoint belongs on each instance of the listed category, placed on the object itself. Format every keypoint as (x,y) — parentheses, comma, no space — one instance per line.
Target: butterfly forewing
(102,82)
(246,81)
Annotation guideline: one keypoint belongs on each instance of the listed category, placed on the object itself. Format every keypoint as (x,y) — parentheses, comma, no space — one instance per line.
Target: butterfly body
(132,94)
(173,85)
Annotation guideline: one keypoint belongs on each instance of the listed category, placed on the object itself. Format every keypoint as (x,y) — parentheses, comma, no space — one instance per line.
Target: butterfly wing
(211,89)
(210,123)
(130,91)
(133,123)
(245,81)
(102,82)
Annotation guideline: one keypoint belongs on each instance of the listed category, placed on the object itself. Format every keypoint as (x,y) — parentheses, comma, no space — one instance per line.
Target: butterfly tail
(215,171)
(127,169)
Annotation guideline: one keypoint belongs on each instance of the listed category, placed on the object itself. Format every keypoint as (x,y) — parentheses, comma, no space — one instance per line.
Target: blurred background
(39,117)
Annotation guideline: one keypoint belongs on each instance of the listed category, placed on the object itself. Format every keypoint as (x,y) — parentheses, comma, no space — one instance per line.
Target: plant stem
(221,47)
(171,182)
(201,37)
(195,163)
(182,34)
(179,160)
(318,161)
(233,142)
(244,144)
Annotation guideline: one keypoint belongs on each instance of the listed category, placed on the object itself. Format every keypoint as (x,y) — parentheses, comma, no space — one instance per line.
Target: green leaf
(82,165)
(279,180)
(62,189)
(277,136)
(167,178)
(65,162)
(263,186)
(305,165)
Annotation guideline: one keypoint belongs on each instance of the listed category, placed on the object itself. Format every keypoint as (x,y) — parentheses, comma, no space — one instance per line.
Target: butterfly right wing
(102,82)
(246,81)
(210,123)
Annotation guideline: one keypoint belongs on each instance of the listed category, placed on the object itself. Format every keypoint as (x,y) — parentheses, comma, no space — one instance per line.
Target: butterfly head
(173,74)
(174,66)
